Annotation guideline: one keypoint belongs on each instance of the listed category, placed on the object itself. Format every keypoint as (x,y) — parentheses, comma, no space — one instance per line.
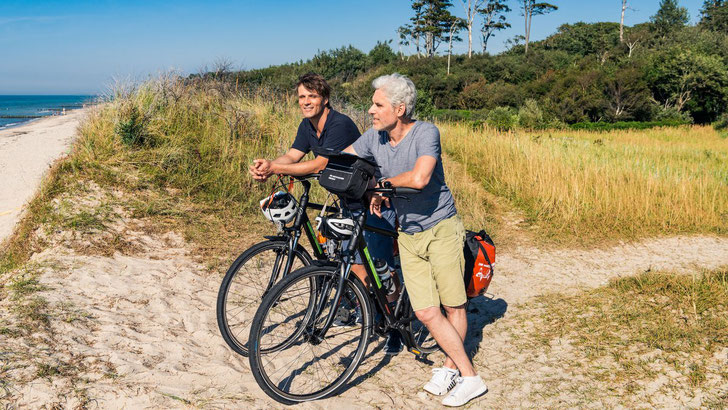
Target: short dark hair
(316,82)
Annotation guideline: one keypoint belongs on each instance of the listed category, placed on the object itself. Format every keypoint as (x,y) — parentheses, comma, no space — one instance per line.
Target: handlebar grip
(403,190)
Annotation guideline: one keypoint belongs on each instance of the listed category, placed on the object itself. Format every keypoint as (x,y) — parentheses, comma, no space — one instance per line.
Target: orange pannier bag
(479,258)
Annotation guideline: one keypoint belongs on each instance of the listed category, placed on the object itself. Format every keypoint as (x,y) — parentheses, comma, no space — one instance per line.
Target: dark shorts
(380,246)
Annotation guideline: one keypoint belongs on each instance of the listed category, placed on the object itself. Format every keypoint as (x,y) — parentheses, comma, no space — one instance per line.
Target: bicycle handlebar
(303,177)
(395,190)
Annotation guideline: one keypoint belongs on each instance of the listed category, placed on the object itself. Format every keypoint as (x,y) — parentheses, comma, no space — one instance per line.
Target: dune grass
(197,137)
(659,326)
(590,186)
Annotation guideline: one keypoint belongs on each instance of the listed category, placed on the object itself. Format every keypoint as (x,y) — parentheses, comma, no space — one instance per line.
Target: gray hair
(398,89)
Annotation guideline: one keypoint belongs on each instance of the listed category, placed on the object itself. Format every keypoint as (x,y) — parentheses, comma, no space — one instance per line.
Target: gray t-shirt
(435,202)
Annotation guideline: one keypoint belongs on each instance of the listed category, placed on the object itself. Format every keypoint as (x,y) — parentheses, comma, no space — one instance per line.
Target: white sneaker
(466,389)
(443,379)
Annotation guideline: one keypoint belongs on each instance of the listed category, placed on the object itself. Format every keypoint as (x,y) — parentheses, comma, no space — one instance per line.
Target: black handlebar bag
(346,175)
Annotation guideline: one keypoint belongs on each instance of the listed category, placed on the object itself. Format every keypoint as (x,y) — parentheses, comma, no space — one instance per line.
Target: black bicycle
(296,354)
(255,271)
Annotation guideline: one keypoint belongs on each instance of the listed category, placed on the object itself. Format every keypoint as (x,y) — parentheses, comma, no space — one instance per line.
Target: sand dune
(26,152)
(150,338)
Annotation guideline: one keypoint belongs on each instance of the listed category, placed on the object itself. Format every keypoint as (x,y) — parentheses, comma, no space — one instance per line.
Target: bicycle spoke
(292,357)
(246,285)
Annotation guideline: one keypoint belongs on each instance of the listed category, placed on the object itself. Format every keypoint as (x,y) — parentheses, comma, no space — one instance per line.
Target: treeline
(661,70)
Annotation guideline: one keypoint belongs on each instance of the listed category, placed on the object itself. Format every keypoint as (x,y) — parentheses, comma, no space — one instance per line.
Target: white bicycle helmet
(335,227)
(279,207)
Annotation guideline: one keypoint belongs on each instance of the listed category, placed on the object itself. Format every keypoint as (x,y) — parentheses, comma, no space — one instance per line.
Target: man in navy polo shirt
(323,127)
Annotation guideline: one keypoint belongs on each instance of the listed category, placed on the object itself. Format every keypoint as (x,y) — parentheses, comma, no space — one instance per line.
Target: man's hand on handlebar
(376,199)
(375,203)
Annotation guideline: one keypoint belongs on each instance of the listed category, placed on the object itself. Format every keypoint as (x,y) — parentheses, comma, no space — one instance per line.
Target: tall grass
(592,186)
(199,137)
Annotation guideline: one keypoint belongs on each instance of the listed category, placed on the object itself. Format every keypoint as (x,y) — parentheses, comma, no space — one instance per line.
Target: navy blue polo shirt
(339,132)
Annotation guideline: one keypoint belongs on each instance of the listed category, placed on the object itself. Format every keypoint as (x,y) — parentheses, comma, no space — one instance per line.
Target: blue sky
(82,47)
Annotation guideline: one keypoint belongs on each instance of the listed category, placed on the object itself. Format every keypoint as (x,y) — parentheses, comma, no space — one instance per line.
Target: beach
(26,153)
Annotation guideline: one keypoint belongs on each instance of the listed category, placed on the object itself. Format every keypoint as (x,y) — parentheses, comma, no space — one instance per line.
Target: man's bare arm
(419,176)
(350,150)
(263,168)
(302,168)
(291,157)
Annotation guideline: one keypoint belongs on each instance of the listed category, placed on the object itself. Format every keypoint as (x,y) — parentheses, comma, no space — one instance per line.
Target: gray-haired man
(431,243)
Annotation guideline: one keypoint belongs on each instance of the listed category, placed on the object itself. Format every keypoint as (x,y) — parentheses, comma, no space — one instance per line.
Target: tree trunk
(449,52)
(449,45)
(470,16)
(621,22)
(631,45)
(527,15)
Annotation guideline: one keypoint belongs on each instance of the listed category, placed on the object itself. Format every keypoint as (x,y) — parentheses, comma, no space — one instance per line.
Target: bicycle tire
(242,289)
(424,342)
(293,374)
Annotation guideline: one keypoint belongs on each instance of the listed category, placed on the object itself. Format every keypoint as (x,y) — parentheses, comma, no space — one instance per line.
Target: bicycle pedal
(422,357)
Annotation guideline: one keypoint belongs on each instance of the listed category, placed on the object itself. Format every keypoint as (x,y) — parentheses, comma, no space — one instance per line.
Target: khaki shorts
(433,264)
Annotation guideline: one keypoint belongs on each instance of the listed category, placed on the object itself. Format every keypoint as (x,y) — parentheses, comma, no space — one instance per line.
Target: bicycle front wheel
(288,361)
(244,285)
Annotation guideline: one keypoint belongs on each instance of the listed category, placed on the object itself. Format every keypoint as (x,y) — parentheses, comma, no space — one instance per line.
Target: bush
(672,114)
(625,125)
(722,123)
(130,127)
(530,115)
(424,109)
(475,116)
(502,118)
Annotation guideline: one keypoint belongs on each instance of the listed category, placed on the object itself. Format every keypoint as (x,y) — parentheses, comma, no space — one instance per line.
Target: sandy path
(26,152)
(526,272)
(153,327)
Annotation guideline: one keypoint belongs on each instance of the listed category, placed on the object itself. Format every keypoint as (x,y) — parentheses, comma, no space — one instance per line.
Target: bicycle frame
(292,234)
(393,319)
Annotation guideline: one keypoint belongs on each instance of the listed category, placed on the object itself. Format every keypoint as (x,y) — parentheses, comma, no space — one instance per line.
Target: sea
(19,109)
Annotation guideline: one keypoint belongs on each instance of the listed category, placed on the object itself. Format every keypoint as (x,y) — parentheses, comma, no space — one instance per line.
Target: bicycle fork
(280,262)
(317,335)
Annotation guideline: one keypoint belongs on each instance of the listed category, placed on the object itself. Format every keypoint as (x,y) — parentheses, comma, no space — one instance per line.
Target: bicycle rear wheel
(244,285)
(424,342)
(287,361)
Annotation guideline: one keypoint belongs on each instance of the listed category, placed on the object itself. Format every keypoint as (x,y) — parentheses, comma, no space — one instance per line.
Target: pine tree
(669,18)
(432,22)
(715,15)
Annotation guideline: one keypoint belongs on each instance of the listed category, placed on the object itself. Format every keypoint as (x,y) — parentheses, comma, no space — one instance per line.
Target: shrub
(130,126)
(530,115)
(424,108)
(502,118)
(625,125)
(672,114)
(722,123)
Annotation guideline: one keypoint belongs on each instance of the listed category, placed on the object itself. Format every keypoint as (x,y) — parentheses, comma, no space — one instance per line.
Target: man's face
(384,114)
(310,102)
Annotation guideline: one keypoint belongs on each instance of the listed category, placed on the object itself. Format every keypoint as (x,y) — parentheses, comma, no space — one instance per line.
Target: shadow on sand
(482,311)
